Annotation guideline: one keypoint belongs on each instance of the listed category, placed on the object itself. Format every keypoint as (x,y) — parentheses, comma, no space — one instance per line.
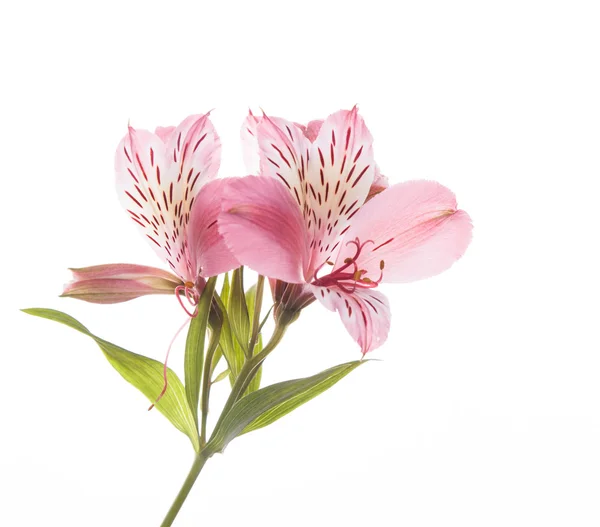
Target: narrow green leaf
(250,301)
(215,322)
(255,383)
(228,345)
(194,348)
(269,404)
(238,309)
(226,290)
(142,372)
(216,360)
(223,375)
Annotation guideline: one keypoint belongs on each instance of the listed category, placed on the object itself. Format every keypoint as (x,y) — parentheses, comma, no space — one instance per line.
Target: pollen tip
(448,212)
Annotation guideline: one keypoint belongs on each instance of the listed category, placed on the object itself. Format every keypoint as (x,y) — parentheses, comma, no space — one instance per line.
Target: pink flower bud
(113,283)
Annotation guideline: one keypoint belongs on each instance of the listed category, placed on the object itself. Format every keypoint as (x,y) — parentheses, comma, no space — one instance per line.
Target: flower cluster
(317,218)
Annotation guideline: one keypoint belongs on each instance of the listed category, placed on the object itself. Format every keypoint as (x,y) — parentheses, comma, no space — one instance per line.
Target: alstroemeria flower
(286,296)
(166,182)
(305,221)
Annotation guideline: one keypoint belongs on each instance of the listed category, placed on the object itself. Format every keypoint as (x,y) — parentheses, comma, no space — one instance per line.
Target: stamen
(350,281)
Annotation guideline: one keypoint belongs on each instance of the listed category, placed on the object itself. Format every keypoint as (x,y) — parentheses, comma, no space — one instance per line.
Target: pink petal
(138,160)
(263,227)
(312,129)
(209,254)
(413,227)
(283,154)
(341,170)
(164,132)
(248,135)
(193,153)
(380,183)
(122,271)
(157,183)
(364,312)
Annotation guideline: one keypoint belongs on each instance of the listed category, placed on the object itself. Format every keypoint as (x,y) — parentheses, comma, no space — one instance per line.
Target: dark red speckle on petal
(199,141)
(360,176)
(358,154)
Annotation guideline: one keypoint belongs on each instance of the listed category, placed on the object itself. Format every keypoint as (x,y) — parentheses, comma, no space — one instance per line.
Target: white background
(484,410)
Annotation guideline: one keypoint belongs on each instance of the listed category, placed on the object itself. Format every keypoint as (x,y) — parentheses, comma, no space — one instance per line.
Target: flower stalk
(199,462)
(249,370)
(206,384)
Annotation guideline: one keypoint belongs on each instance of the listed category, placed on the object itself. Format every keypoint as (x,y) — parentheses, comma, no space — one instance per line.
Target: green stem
(249,370)
(214,344)
(199,462)
(256,315)
(246,375)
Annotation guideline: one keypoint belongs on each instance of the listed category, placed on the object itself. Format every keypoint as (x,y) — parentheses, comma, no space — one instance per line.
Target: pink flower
(166,182)
(290,297)
(305,220)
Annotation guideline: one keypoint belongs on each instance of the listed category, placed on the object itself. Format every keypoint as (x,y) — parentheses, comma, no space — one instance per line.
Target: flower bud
(113,283)
(289,299)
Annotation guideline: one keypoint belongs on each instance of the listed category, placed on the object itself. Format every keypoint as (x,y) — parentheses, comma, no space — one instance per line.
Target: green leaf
(194,348)
(250,301)
(215,362)
(144,373)
(228,345)
(226,290)
(223,375)
(269,404)
(237,309)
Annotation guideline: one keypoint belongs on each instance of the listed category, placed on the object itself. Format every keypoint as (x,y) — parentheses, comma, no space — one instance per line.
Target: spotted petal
(250,152)
(364,312)
(284,152)
(341,170)
(158,177)
(414,228)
